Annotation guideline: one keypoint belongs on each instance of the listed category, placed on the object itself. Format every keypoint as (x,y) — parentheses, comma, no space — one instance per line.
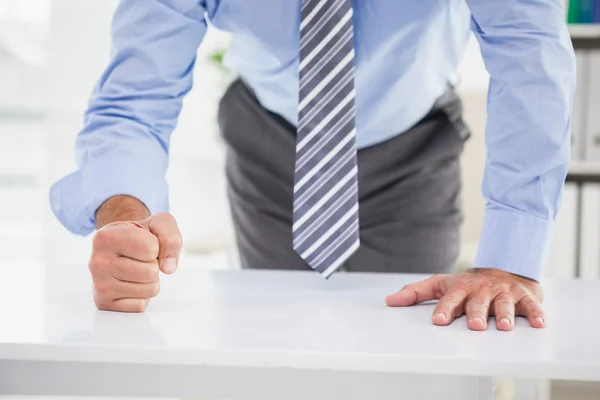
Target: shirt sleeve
(123,147)
(528,52)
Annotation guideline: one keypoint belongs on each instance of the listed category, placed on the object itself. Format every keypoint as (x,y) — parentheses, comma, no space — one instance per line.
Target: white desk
(279,335)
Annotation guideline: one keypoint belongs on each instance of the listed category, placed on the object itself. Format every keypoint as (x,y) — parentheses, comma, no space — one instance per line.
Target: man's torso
(405,56)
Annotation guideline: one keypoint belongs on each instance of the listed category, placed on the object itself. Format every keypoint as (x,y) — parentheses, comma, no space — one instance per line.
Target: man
(319,80)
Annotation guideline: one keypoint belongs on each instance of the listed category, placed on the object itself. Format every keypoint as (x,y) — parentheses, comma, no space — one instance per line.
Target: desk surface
(298,320)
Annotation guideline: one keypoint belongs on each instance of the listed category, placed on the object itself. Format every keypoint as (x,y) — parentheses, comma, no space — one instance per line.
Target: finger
(449,307)
(135,290)
(129,270)
(418,292)
(477,309)
(112,289)
(128,240)
(504,310)
(125,305)
(530,308)
(165,228)
(106,266)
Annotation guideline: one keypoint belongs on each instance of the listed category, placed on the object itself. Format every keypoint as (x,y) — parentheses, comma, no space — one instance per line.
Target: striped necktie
(325,217)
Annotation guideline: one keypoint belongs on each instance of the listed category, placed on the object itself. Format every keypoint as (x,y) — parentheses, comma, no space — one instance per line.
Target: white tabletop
(298,320)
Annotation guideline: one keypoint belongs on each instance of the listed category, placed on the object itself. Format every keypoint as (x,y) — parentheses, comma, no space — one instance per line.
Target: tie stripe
(325,143)
(313,51)
(326,23)
(325,59)
(329,254)
(346,118)
(325,212)
(334,74)
(347,194)
(342,165)
(320,206)
(305,21)
(327,234)
(322,162)
(318,129)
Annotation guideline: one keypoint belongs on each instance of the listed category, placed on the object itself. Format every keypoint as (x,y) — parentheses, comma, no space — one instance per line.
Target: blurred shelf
(585,36)
(585,167)
(584,172)
(584,31)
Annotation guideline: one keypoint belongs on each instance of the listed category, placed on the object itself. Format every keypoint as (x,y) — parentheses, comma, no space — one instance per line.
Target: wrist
(120,208)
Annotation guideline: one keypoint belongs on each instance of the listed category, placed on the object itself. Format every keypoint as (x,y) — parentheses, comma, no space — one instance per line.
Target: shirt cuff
(75,198)
(515,242)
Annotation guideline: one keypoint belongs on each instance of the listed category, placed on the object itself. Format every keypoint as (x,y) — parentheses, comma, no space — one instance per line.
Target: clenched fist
(127,257)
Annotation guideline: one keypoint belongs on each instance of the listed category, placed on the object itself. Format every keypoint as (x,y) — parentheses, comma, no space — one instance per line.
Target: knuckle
(503,298)
(102,303)
(140,306)
(162,216)
(94,265)
(527,303)
(504,288)
(102,238)
(477,302)
(151,273)
(477,307)
(154,289)
(535,293)
(98,265)
(174,242)
(102,288)
(148,246)
(503,303)
(463,285)
(153,247)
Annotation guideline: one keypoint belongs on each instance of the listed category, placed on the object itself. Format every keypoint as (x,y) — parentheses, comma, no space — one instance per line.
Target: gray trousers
(409,189)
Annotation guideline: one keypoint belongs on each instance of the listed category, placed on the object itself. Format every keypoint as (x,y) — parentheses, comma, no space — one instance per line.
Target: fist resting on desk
(129,250)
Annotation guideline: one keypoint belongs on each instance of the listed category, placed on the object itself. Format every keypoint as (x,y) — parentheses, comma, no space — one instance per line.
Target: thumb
(165,228)
(418,292)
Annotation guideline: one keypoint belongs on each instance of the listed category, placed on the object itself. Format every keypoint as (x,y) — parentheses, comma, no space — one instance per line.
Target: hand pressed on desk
(477,293)
(128,252)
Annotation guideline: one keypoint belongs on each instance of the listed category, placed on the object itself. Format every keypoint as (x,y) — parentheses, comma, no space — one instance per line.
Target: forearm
(123,147)
(120,208)
(530,59)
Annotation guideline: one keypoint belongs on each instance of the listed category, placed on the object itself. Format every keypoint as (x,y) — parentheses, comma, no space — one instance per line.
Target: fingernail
(478,320)
(505,321)
(539,320)
(440,316)
(169,265)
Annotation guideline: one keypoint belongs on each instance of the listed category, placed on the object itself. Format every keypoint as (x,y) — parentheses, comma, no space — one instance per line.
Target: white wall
(473,83)
(79,48)
(473,162)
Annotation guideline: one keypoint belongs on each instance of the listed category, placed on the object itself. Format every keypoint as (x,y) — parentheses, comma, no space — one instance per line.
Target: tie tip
(327,274)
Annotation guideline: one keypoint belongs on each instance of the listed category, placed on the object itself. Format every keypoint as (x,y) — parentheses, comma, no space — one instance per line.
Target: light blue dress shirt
(406,53)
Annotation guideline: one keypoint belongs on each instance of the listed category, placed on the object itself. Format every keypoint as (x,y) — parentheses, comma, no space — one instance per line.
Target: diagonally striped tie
(325,228)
